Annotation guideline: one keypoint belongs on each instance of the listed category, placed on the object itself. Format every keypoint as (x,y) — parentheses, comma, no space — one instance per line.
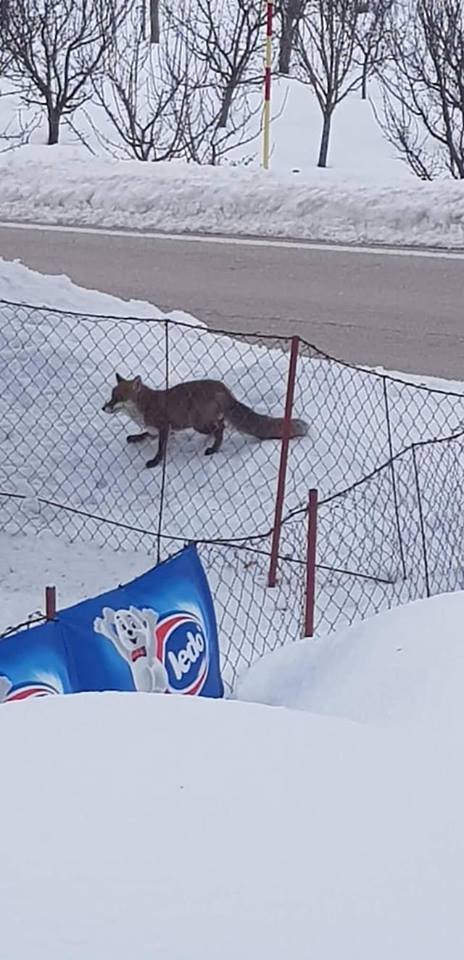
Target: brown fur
(203,405)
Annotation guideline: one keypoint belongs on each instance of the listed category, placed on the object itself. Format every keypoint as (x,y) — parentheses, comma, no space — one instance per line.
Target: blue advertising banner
(157,634)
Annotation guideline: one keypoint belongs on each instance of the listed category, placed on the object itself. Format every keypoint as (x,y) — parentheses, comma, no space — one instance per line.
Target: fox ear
(118,378)
(137,381)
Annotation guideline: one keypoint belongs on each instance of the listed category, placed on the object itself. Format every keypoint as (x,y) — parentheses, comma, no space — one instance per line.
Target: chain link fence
(389,520)
(58,369)
(393,537)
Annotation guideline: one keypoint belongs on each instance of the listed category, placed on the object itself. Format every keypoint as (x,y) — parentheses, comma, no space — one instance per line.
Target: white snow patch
(404,668)
(183,828)
(80,570)
(59,186)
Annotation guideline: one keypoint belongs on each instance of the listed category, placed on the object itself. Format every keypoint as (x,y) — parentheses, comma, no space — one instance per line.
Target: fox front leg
(162,444)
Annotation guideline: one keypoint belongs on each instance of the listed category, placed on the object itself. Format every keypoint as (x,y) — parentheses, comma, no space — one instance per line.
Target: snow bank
(60,186)
(402,668)
(164,826)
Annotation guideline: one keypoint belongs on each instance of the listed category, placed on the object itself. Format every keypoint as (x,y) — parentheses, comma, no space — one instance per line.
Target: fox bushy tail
(259,425)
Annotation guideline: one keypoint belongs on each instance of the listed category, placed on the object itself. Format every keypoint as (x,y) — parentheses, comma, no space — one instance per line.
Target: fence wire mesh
(375,552)
(390,523)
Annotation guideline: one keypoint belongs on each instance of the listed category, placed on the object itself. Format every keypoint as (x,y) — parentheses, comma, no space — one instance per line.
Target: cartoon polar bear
(132,632)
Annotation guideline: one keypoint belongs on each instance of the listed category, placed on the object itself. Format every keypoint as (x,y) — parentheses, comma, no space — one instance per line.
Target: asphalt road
(396,310)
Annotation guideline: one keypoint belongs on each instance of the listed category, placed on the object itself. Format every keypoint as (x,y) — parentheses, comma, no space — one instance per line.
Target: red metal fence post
(50,603)
(311,564)
(280,496)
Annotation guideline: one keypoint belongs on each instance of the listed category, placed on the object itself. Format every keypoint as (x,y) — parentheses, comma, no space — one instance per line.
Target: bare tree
(206,139)
(402,130)
(55,47)
(163,102)
(372,38)
(4,11)
(226,36)
(144,94)
(326,57)
(18,131)
(423,111)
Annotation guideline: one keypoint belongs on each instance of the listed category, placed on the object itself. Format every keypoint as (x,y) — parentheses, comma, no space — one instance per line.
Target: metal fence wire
(387,500)
(376,550)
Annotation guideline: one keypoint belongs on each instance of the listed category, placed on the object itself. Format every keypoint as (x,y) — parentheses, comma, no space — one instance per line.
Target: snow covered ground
(357,144)
(314,836)
(337,832)
(57,370)
(332,828)
(366,195)
(401,669)
(63,185)
(30,563)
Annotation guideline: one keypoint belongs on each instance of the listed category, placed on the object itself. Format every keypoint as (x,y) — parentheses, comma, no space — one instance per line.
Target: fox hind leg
(217,432)
(137,437)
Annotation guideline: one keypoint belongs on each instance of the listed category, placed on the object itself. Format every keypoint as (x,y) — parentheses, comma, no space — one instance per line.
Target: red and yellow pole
(267,84)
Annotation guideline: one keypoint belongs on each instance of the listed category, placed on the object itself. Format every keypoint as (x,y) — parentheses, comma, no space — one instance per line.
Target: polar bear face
(132,628)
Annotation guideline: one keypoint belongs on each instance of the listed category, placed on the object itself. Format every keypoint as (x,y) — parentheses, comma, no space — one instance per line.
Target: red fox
(204,405)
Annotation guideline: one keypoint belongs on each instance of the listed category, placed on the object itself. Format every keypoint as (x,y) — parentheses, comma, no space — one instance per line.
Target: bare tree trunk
(154,21)
(286,44)
(53,119)
(324,147)
(290,17)
(364,78)
(225,106)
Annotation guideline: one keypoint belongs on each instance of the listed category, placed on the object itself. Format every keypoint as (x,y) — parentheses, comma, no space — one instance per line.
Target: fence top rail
(237,334)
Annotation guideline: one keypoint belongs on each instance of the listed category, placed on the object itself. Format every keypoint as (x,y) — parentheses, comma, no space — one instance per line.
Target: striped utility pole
(267,84)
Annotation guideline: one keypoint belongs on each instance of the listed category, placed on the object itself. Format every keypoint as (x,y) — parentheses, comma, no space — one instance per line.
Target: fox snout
(108,407)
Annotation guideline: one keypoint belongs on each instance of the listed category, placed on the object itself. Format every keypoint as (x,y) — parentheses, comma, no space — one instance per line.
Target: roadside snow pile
(313,837)
(402,668)
(61,186)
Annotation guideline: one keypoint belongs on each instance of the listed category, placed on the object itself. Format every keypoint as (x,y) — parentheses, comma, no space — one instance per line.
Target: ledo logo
(183,648)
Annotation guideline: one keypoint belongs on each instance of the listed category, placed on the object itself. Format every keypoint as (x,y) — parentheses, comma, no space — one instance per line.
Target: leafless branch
(55,47)
(424,87)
